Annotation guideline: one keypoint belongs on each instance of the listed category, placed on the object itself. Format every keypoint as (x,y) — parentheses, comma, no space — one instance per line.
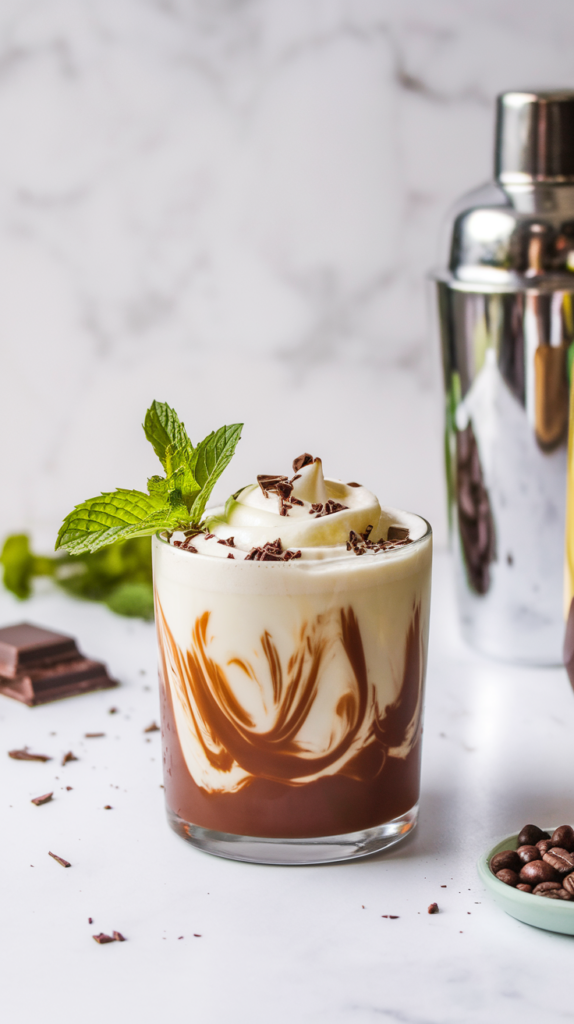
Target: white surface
(220,203)
(277,944)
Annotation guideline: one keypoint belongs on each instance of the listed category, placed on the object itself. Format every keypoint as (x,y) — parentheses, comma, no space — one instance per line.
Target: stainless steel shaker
(506,315)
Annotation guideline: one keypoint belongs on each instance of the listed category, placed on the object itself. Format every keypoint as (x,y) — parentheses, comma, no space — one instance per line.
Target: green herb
(119,575)
(176,501)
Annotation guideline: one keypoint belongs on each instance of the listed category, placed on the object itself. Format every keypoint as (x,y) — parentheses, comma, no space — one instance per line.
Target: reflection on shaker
(550,396)
(475,521)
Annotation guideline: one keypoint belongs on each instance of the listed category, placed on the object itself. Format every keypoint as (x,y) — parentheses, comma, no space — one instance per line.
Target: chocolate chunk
(25,646)
(101,939)
(64,863)
(302,460)
(432,908)
(69,757)
(39,800)
(25,755)
(398,533)
(39,686)
(118,937)
(153,727)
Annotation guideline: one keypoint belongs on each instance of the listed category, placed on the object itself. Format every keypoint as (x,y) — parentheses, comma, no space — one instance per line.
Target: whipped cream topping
(308,513)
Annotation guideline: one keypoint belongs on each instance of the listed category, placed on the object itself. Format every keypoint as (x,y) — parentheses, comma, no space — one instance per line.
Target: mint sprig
(176,501)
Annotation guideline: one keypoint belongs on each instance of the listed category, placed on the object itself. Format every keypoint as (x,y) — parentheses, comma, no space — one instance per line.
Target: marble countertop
(210,939)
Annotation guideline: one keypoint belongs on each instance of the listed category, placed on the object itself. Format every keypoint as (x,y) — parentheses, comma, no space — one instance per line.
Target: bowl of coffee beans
(531,876)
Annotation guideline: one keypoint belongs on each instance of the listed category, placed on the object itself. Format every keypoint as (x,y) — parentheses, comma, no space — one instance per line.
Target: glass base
(318,850)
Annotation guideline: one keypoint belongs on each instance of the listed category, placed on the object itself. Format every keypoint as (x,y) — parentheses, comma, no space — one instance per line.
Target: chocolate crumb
(269,483)
(113,711)
(90,920)
(433,908)
(328,508)
(180,937)
(69,757)
(231,556)
(394,917)
(271,552)
(93,735)
(101,939)
(153,727)
(39,800)
(64,863)
(353,484)
(196,935)
(302,460)
(69,788)
(398,533)
(228,541)
(108,807)
(443,886)
(25,755)
(118,937)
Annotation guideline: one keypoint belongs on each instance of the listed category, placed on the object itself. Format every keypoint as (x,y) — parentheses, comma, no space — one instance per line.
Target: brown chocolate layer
(371,789)
(24,646)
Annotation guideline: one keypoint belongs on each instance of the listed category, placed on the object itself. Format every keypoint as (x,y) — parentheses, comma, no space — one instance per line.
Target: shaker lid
(535,137)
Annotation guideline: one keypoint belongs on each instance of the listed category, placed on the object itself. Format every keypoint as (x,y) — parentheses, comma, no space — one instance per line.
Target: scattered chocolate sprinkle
(108,807)
(179,937)
(64,863)
(93,735)
(209,536)
(432,908)
(359,543)
(69,757)
(118,937)
(327,509)
(153,727)
(392,917)
(398,533)
(302,460)
(271,552)
(101,939)
(90,920)
(113,711)
(39,800)
(69,788)
(196,935)
(25,755)
(229,541)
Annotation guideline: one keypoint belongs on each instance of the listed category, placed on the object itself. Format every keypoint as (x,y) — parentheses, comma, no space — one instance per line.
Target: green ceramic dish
(552,915)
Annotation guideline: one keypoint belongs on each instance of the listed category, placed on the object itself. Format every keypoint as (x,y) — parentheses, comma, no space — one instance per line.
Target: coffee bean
(507,876)
(544,845)
(538,871)
(530,835)
(524,888)
(560,859)
(546,887)
(505,859)
(556,894)
(568,884)
(528,853)
(563,837)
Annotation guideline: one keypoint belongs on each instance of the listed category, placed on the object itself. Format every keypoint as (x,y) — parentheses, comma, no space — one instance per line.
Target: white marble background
(231,205)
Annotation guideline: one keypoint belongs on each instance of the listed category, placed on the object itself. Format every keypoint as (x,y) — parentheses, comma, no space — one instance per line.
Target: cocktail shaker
(506,317)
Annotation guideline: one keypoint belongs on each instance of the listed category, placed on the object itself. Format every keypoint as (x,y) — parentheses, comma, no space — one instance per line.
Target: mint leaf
(20,565)
(210,458)
(115,516)
(162,427)
(133,599)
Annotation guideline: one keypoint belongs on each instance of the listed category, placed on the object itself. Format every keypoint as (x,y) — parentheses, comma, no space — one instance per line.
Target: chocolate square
(24,647)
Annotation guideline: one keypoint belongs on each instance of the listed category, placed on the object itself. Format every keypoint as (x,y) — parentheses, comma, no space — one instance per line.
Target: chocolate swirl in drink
(293,634)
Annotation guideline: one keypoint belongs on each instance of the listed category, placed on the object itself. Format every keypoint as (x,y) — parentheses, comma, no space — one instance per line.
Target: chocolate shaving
(154,727)
(398,533)
(64,863)
(271,552)
(69,757)
(93,735)
(25,755)
(39,800)
(209,536)
(359,543)
(101,939)
(302,460)
(296,501)
(269,483)
(353,484)
(231,556)
(229,541)
(327,509)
